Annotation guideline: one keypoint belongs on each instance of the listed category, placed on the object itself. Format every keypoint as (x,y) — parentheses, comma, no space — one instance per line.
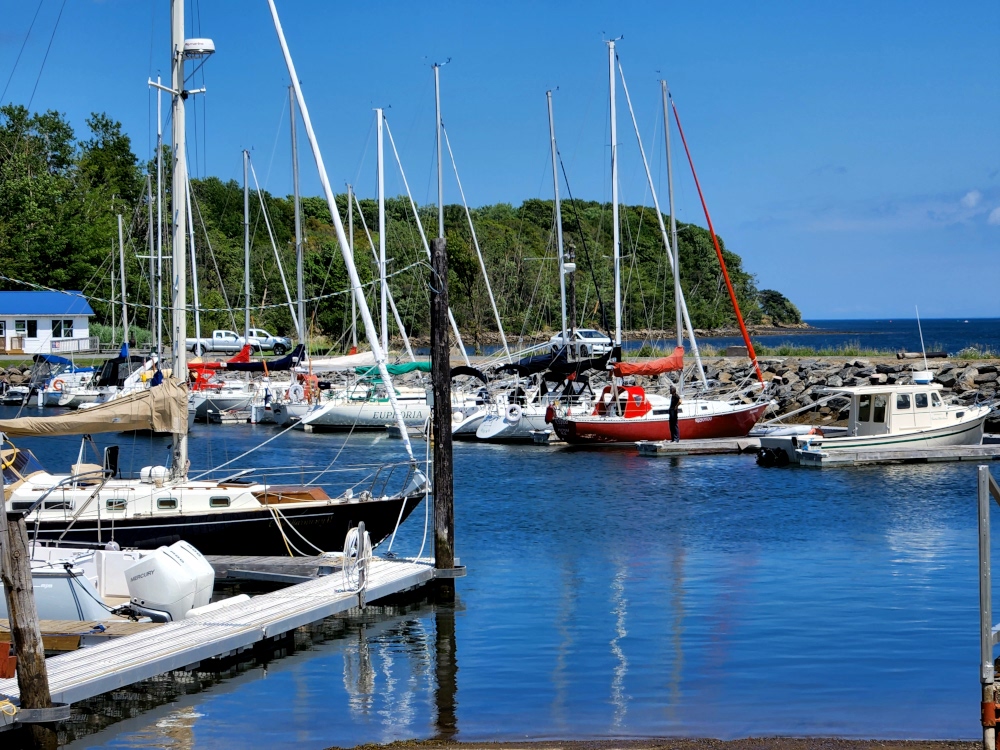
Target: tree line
(61,193)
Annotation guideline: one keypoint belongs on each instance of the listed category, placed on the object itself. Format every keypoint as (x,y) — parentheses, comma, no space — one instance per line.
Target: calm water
(614,596)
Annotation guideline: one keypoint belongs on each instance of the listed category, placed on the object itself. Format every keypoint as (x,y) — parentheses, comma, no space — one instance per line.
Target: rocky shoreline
(796,383)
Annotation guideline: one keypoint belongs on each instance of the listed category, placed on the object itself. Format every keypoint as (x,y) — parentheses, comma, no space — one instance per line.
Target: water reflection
(446,670)
(619,610)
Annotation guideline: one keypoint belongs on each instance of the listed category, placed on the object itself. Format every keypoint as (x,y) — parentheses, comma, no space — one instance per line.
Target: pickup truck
(221,341)
(270,343)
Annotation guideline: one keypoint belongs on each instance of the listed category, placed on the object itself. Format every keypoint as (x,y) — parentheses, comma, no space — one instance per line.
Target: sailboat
(232,515)
(627,413)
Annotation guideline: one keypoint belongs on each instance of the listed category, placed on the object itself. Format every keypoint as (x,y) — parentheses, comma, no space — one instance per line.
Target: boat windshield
(18,464)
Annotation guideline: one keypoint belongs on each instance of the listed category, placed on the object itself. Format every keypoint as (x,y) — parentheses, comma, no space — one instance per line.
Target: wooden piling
(25,633)
(444,494)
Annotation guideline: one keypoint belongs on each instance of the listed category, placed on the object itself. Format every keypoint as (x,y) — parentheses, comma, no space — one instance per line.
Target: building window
(62,329)
(3,328)
(27,328)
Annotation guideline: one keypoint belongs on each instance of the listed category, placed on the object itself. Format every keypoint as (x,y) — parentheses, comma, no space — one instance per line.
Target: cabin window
(921,400)
(62,329)
(935,400)
(902,400)
(864,408)
(218,502)
(878,414)
(116,503)
(166,503)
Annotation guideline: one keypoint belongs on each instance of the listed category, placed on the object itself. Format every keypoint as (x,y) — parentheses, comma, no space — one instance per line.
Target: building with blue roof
(45,323)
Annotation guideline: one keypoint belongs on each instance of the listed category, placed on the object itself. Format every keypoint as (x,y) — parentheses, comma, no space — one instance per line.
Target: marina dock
(224,631)
(989,452)
(665,448)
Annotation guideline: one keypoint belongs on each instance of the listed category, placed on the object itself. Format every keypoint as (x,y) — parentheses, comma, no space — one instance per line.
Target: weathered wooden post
(987,487)
(444,493)
(25,634)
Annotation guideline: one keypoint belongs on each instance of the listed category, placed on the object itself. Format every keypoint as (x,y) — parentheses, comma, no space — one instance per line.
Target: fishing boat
(885,417)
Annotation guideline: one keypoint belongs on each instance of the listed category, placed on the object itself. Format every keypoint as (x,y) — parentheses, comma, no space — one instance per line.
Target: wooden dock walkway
(227,630)
(69,635)
(862,456)
(664,448)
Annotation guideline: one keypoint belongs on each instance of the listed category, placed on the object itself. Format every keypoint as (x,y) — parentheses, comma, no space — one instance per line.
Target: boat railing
(392,475)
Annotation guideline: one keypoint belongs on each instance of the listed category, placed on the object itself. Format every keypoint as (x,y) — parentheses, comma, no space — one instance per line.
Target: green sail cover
(401,369)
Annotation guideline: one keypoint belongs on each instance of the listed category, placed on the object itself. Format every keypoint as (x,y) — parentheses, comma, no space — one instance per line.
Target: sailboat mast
(354,297)
(152,253)
(559,229)
(299,249)
(616,238)
(673,232)
(437,130)
(194,266)
(338,226)
(159,222)
(673,218)
(121,261)
(246,245)
(381,230)
(179,301)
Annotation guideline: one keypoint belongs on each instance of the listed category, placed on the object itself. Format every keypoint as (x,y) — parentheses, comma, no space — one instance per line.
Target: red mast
(718,250)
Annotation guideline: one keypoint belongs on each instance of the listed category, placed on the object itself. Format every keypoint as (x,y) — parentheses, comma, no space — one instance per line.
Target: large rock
(834,381)
(985,377)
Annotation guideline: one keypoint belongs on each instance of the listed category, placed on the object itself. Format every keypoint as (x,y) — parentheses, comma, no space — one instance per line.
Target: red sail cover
(664,364)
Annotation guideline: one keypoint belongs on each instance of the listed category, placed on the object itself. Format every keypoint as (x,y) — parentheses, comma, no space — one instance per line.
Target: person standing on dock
(675,405)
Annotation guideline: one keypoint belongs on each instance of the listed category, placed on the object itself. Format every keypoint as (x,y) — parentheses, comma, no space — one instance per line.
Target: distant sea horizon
(951,335)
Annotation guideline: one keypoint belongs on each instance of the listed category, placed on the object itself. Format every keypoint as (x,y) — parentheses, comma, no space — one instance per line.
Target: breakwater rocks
(14,375)
(798,383)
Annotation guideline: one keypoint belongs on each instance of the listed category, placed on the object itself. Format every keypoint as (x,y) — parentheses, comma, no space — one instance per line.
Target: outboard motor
(168,583)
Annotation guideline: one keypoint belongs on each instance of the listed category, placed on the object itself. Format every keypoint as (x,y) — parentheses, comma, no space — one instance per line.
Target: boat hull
(967,432)
(498,428)
(245,532)
(219,403)
(366,415)
(596,430)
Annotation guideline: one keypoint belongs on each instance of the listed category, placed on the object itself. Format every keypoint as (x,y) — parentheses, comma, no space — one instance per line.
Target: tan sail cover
(162,408)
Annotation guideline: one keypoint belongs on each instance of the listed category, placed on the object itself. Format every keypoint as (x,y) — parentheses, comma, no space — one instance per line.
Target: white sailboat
(234,515)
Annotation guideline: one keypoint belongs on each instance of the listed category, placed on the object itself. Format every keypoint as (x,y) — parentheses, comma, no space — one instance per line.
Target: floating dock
(70,635)
(873,455)
(224,631)
(664,448)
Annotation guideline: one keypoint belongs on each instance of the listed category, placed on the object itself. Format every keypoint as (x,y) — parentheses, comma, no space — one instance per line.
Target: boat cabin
(891,409)
(631,402)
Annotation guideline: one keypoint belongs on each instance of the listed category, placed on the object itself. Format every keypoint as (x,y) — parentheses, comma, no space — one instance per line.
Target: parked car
(583,342)
(271,343)
(228,342)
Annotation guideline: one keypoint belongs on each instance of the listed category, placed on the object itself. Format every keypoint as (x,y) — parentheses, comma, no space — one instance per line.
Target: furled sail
(656,367)
(162,408)
(334,364)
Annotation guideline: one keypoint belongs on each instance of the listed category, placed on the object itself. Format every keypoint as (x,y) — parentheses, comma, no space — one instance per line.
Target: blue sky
(849,152)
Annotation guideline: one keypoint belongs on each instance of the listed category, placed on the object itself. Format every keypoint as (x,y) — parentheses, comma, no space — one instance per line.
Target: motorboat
(887,417)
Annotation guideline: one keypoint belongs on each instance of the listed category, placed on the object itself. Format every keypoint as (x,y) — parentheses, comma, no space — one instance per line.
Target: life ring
(57,385)
(513,413)
(295,392)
